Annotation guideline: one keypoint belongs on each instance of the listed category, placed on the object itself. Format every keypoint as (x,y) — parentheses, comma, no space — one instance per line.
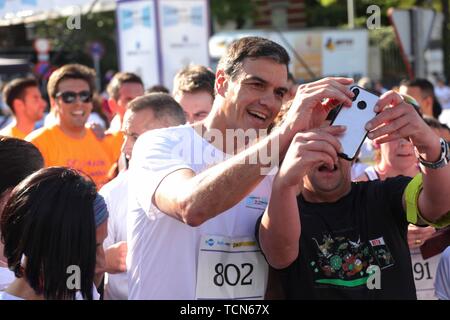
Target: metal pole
(446,38)
(418,49)
(351,14)
(96,59)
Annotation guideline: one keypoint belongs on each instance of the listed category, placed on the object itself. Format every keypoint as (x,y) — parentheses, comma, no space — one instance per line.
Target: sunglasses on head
(71,96)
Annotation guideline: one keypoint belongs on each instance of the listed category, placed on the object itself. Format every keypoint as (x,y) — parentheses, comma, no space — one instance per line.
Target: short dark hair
(162,105)
(70,71)
(432,122)
(18,159)
(49,219)
(291,77)
(445,126)
(15,89)
(251,47)
(194,78)
(426,87)
(118,80)
(157,88)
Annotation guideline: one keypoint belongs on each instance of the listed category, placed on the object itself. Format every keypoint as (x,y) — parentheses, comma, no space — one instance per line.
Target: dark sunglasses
(71,96)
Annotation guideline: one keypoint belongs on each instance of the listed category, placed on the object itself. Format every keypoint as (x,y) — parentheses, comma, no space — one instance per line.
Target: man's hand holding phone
(309,149)
(355,119)
(398,119)
(313,101)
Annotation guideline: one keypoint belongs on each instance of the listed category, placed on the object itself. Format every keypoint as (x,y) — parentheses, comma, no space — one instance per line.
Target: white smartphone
(355,119)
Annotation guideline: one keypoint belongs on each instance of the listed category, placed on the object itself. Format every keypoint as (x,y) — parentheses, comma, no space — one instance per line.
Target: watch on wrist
(444,159)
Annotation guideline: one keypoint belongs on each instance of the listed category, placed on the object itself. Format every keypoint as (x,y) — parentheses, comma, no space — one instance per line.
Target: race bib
(230,268)
(424,272)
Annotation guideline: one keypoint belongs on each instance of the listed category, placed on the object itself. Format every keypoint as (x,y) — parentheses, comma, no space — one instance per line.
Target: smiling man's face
(254,97)
(73,116)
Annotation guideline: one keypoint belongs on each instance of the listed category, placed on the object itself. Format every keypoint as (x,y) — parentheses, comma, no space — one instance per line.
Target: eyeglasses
(71,96)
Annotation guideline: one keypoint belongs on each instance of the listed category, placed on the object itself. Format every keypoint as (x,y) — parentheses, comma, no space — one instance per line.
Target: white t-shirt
(116,124)
(115,194)
(443,96)
(6,296)
(444,117)
(6,277)
(162,251)
(357,169)
(442,284)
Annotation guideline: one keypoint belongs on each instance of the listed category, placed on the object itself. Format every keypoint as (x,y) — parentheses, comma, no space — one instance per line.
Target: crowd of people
(229,187)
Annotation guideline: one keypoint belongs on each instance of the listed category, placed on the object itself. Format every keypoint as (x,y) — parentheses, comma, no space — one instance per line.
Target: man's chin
(327,181)
(79,126)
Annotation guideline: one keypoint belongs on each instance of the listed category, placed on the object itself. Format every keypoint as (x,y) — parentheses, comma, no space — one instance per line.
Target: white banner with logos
(324,52)
(184,34)
(137,35)
(345,53)
(12,8)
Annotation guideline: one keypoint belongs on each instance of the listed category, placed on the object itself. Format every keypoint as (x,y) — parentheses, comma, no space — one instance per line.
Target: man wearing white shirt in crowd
(193,88)
(196,193)
(145,113)
(442,92)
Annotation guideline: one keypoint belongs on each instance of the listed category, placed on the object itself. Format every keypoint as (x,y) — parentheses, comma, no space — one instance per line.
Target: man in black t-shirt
(334,239)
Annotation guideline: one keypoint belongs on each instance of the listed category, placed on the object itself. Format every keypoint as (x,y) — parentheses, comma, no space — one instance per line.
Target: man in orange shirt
(23,97)
(123,87)
(69,143)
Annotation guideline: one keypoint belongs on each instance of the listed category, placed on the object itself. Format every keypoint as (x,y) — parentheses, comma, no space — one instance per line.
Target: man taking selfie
(330,238)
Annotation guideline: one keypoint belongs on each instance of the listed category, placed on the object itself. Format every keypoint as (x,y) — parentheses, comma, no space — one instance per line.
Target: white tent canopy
(24,11)
(13,65)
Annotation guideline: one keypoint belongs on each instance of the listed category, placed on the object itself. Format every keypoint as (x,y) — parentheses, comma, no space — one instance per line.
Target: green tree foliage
(73,45)
(333,13)
(238,11)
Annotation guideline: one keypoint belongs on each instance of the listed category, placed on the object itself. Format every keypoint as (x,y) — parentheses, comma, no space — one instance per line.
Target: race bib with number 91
(424,275)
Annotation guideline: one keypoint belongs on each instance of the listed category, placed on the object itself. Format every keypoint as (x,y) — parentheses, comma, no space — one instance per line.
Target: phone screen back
(355,119)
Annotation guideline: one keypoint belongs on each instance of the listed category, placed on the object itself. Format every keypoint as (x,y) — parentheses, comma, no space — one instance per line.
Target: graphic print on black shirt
(339,241)
(344,262)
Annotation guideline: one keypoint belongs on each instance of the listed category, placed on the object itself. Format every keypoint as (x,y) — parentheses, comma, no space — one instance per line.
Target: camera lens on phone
(356,93)
(362,105)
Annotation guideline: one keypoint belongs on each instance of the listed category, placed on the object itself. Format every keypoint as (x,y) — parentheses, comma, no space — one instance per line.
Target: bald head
(149,112)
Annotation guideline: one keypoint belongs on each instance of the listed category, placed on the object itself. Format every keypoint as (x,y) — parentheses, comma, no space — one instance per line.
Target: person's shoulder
(398,180)
(7,131)
(388,187)
(39,134)
(180,130)
(361,178)
(392,181)
(446,255)
(118,183)
(114,134)
(6,296)
(168,134)
(6,277)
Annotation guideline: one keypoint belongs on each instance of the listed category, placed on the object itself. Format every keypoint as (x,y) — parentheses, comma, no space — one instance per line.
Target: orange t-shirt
(88,154)
(114,141)
(13,131)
